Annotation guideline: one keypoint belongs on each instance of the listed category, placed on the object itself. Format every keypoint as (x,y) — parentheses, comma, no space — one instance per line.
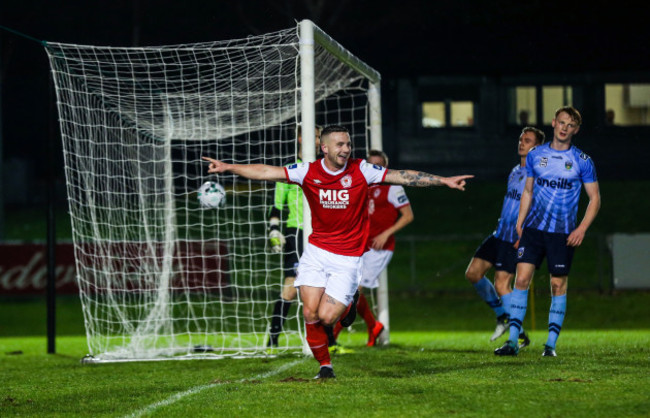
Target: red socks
(338,327)
(317,340)
(364,310)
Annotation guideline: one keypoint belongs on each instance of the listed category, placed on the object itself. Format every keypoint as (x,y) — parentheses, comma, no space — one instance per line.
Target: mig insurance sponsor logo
(334,199)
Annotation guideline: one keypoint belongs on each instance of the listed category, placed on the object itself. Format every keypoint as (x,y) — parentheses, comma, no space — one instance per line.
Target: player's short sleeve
(530,164)
(372,172)
(296,172)
(397,196)
(587,169)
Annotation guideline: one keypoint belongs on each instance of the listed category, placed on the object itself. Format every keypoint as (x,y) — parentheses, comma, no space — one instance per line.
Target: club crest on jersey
(568,164)
(376,193)
(543,162)
(346,181)
(520,252)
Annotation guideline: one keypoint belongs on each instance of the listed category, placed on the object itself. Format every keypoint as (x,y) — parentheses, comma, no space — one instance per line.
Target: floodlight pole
(51,228)
(2,202)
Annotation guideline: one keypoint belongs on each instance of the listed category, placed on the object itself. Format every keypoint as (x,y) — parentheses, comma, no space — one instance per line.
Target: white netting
(159,276)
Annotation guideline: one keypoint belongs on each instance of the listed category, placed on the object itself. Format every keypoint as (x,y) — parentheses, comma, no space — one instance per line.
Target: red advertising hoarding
(23,267)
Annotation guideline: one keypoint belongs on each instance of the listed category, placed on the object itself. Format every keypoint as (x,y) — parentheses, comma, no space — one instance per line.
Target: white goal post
(160,277)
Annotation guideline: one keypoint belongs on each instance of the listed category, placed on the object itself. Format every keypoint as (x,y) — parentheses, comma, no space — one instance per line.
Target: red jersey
(384,203)
(338,202)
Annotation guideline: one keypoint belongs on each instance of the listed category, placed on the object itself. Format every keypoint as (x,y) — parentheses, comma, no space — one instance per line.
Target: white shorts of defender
(374,262)
(338,274)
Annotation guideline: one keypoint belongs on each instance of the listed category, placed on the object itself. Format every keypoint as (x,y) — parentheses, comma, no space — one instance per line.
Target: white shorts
(374,262)
(338,274)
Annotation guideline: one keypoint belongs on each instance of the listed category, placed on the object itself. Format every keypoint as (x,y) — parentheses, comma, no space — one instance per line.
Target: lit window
(433,115)
(627,104)
(462,114)
(525,109)
(555,97)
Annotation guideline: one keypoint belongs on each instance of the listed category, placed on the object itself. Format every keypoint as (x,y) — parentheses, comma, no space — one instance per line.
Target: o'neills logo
(334,199)
(560,183)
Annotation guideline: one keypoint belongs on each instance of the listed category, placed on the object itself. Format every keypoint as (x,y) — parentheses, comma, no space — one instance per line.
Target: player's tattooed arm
(413,178)
(331,300)
(420,179)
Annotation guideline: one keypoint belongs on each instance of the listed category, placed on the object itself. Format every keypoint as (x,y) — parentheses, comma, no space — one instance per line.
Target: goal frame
(305,38)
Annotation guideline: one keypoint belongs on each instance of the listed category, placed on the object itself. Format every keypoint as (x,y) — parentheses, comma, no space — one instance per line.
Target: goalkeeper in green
(289,195)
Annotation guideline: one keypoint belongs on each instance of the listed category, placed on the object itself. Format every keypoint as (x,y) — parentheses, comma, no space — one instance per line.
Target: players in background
(389,211)
(547,222)
(336,187)
(497,250)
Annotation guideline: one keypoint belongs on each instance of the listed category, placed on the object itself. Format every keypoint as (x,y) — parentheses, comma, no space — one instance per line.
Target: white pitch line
(178,396)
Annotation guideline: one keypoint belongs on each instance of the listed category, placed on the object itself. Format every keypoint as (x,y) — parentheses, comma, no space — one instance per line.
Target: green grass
(597,373)
(439,362)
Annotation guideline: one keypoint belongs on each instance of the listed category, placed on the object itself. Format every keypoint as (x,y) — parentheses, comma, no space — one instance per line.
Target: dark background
(397,38)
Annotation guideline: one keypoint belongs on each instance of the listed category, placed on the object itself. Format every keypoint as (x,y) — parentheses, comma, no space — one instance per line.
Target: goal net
(160,277)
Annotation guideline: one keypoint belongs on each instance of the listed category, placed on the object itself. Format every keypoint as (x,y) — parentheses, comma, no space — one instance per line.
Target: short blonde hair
(572,112)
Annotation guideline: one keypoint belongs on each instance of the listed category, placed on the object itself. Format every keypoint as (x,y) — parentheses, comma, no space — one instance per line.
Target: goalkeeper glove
(275,236)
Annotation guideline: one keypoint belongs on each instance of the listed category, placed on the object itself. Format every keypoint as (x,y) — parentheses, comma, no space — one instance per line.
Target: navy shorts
(500,253)
(292,251)
(535,245)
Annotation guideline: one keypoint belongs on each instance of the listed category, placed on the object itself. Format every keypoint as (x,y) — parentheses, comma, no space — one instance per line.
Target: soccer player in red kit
(336,188)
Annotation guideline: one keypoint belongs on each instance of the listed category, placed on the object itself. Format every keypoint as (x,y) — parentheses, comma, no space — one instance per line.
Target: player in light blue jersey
(547,222)
(497,250)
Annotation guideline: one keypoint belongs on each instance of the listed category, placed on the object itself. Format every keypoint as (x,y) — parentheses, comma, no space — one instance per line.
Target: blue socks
(486,291)
(555,319)
(505,300)
(518,305)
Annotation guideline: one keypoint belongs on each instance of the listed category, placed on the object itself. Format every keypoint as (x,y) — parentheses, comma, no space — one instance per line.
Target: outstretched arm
(420,179)
(250,171)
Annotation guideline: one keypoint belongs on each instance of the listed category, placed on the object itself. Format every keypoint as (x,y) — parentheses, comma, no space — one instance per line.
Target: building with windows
(452,124)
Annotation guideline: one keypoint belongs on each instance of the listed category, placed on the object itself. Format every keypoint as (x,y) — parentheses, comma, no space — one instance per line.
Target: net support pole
(307,109)
(374,101)
(307,122)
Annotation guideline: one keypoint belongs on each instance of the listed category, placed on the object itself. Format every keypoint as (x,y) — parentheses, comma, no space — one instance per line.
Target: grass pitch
(439,362)
(596,373)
